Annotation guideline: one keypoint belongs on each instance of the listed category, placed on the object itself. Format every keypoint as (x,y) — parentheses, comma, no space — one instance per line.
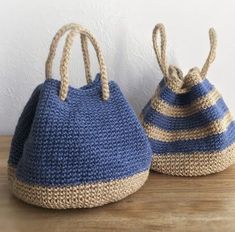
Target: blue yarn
(172,98)
(198,119)
(81,140)
(23,128)
(211,143)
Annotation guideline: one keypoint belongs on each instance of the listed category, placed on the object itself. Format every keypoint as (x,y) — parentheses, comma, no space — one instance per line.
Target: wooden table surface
(164,203)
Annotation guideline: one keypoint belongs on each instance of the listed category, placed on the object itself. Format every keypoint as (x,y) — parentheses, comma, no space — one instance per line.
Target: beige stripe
(199,104)
(82,196)
(213,128)
(194,164)
(180,86)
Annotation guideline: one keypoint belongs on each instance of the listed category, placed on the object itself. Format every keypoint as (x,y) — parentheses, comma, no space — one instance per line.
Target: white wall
(123,29)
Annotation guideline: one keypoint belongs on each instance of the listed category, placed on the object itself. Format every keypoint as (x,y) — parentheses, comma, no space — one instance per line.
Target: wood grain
(165,203)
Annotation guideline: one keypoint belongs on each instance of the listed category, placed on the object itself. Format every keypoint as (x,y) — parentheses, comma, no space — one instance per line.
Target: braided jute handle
(54,45)
(84,34)
(160,50)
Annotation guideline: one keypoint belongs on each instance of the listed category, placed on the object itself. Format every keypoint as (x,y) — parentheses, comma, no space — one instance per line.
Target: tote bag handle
(84,34)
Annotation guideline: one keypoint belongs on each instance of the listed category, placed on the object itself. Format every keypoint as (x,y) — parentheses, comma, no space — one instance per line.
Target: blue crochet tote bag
(189,126)
(77,148)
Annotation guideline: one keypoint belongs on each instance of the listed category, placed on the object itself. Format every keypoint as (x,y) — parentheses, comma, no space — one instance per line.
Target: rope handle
(212,53)
(54,45)
(84,35)
(86,58)
(160,50)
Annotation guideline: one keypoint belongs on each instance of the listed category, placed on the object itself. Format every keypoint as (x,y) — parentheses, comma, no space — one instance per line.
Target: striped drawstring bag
(189,126)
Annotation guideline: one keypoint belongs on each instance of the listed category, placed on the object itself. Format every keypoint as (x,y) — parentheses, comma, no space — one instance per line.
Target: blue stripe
(146,108)
(198,119)
(196,91)
(212,143)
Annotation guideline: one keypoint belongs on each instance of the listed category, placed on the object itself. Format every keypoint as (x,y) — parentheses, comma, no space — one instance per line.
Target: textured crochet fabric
(189,126)
(80,152)
(82,140)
